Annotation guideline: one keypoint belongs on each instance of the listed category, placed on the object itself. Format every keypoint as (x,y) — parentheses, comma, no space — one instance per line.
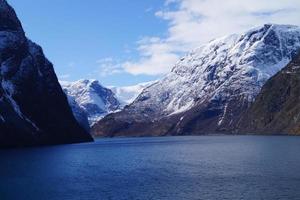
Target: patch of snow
(296,67)
(2,118)
(9,90)
(223,116)
(182,108)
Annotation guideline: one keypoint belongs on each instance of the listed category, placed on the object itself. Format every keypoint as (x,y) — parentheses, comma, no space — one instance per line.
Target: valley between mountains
(245,83)
(212,90)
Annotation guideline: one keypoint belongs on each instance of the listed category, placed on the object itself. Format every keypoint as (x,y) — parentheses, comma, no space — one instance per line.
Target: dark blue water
(216,167)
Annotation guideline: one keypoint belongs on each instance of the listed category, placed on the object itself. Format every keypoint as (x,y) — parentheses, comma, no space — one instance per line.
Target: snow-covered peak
(254,47)
(236,65)
(96,100)
(128,94)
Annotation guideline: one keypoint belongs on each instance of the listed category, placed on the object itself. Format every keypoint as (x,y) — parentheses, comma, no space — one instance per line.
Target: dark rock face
(79,113)
(202,119)
(277,108)
(33,108)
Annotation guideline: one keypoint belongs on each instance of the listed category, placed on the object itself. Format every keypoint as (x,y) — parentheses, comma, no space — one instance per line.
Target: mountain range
(209,89)
(244,83)
(90,101)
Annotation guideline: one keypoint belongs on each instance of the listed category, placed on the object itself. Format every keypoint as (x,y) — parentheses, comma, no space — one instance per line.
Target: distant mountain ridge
(209,89)
(89,97)
(90,101)
(128,94)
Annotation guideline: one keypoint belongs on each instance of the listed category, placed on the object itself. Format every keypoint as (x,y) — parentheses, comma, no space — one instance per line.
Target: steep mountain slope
(126,95)
(277,108)
(95,100)
(209,89)
(33,108)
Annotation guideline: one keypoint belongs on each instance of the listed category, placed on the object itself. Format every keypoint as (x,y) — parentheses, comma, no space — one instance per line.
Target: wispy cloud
(149,9)
(64,77)
(109,66)
(192,23)
(156,55)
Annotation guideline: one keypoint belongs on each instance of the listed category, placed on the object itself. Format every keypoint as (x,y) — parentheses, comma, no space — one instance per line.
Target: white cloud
(192,23)
(198,21)
(157,57)
(155,64)
(108,66)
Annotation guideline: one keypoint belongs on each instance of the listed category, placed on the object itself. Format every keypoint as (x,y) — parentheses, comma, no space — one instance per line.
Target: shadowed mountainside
(33,108)
(277,108)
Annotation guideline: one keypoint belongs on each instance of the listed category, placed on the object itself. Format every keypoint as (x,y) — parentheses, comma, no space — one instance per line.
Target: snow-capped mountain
(210,87)
(33,108)
(126,95)
(94,100)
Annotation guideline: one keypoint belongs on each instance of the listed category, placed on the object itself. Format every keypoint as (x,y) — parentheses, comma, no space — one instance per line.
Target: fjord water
(207,167)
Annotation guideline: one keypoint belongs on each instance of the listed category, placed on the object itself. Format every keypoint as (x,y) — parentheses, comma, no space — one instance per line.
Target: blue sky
(124,42)
(75,34)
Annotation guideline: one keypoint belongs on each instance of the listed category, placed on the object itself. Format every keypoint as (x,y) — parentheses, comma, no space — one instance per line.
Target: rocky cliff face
(33,107)
(277,108)
(209,89)
(91,98)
